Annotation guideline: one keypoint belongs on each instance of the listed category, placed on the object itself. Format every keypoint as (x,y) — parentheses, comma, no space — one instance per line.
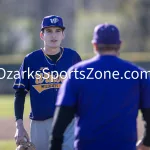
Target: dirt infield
(7,128)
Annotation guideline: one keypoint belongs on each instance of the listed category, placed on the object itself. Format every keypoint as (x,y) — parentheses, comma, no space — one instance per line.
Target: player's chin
(54,45)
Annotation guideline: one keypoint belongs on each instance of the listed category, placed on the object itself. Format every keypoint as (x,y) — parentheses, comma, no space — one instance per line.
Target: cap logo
(54,20)
(112,29)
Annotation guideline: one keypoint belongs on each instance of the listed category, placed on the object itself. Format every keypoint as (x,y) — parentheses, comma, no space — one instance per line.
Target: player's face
(53,36)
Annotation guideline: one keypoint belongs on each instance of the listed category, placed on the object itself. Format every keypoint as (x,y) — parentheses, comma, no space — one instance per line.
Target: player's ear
(63,33)
(118,52)
(41,35)
(95,48)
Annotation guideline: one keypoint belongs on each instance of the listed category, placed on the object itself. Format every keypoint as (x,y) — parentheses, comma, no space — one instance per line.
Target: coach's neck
(106,49)
(114,53)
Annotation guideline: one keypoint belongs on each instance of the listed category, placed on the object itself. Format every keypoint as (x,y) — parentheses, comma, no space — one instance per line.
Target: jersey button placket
(54,69)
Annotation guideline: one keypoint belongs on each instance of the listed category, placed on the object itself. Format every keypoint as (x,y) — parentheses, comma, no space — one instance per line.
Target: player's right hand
(21,133)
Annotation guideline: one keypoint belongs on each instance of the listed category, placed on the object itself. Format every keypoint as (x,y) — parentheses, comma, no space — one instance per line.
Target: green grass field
(7,145)
(7,106)
(7,111)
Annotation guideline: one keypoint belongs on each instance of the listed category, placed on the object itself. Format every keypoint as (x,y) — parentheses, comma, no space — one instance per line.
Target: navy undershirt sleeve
(19,101)
(63,116)
(146,118)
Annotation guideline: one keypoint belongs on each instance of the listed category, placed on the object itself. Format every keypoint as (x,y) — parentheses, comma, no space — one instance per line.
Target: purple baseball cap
(52,21)
(106,34)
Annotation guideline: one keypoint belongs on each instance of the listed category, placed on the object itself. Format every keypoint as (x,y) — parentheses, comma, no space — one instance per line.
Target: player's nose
(53,35)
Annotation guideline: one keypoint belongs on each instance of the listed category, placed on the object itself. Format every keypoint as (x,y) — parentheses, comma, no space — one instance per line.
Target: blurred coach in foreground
(105,105)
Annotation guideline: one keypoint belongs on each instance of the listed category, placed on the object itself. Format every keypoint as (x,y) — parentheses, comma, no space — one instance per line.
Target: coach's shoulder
(134,66)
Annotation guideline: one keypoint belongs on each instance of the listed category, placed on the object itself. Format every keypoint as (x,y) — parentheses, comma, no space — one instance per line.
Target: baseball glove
(26,145)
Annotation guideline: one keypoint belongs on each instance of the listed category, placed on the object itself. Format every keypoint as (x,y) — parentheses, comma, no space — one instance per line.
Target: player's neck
(51,51)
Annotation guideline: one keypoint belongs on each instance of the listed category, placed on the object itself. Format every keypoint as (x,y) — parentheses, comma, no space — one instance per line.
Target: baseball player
(42,73)
(104,93)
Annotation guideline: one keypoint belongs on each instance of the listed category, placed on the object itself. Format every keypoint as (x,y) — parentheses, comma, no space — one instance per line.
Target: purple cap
(106,34)
(52,21)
